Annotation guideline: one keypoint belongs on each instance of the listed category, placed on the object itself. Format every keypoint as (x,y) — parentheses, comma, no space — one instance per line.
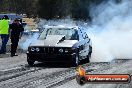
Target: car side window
(80,35)
(74,35)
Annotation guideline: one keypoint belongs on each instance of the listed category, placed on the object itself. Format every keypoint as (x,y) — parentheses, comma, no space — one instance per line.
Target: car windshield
(70,34)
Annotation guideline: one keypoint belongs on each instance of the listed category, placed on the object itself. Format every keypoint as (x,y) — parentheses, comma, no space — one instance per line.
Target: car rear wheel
(87,60)
(76,61)
(90,51)
(30,62)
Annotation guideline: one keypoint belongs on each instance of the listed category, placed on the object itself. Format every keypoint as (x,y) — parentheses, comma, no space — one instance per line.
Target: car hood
(55,41)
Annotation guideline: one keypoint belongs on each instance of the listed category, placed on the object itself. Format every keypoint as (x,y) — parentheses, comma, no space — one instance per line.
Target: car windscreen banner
(83,77)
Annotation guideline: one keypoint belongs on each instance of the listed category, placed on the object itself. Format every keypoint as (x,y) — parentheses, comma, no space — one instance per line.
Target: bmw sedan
(60,44)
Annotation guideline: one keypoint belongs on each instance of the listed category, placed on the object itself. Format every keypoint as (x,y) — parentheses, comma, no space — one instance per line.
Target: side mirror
(86,36)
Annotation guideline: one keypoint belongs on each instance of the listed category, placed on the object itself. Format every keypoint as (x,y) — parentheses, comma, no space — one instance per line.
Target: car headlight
(70,50)
(37,49)
(61,50)
(32,49)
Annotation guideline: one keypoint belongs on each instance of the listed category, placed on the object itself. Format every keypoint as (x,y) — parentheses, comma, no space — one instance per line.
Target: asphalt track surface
(16,73)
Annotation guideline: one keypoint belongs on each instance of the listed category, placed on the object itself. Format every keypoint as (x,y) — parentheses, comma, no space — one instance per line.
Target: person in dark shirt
(16,30)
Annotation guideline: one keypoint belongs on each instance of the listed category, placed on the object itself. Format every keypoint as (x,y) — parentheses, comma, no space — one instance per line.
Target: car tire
(90,50)
(87,60)
(76,61)
(30,62)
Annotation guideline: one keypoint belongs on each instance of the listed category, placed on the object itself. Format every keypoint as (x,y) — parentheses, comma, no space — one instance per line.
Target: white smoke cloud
(111,31)
(67,21)
(30,39)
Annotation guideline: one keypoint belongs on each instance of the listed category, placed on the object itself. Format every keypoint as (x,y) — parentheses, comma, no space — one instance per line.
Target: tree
(49,9)
(19,6)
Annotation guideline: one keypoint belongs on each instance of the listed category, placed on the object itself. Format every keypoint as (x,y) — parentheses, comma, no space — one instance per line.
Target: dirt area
(30,22)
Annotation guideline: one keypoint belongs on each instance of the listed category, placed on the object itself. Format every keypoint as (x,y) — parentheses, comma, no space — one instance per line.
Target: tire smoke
(111,31)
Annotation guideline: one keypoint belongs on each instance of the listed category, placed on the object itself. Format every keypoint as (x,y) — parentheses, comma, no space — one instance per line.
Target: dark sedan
(60,44)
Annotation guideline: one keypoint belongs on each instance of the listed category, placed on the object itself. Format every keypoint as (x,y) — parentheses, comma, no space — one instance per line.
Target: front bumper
(41,57)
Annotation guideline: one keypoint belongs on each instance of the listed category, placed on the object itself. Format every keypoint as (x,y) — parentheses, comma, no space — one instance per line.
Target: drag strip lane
(16,72)
(47,77)
(23,75)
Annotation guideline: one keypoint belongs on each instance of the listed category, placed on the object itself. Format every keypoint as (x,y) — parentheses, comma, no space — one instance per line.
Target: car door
(86,44)
(82,52)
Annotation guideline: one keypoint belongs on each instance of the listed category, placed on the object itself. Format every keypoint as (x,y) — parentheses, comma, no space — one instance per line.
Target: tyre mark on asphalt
(90,70)
(16,72)
(49,80)
(55,78)
(70,77)
(22,80)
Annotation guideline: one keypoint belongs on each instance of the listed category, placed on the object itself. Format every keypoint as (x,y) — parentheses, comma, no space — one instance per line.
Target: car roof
(61,26)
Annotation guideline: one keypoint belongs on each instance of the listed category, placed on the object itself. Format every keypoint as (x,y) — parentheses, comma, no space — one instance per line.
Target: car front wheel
(30,62)
(87,60)
(89,54)
(76,61)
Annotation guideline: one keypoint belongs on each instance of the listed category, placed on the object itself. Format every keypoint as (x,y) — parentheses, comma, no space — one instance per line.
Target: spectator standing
(4,33)
(16,33)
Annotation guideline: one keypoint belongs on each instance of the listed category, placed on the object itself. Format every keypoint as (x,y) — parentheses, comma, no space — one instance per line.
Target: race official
(4,33)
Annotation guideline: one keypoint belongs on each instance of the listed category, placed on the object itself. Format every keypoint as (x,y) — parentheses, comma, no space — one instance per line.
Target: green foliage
(77,9)
(19,6)
(49,9)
